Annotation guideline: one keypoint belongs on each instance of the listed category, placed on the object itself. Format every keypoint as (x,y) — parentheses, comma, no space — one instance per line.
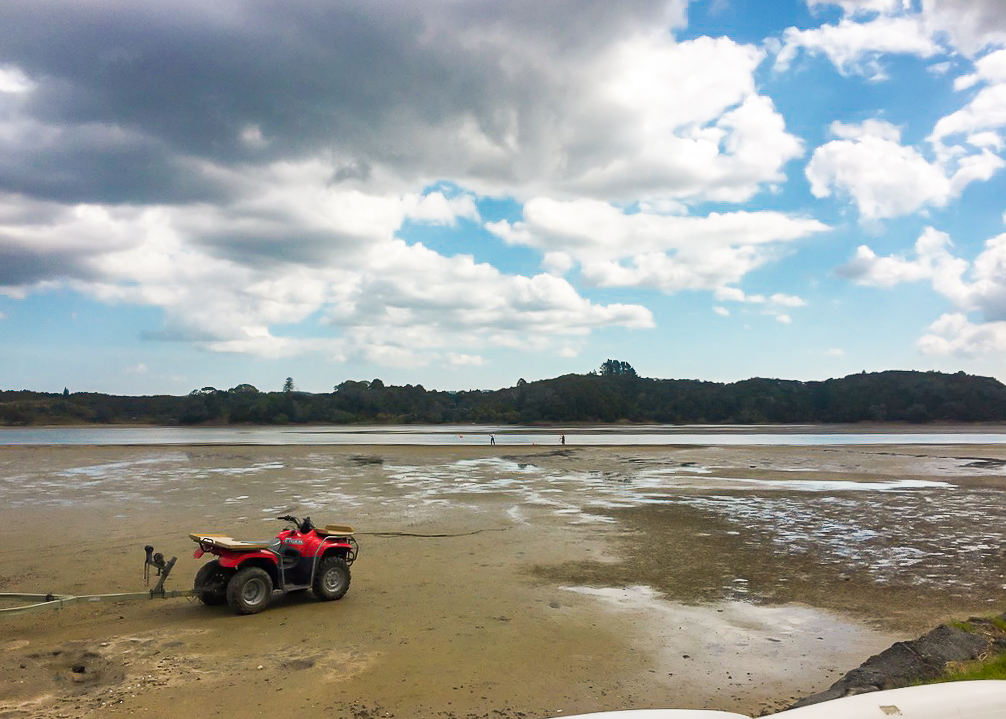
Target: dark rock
(906,662)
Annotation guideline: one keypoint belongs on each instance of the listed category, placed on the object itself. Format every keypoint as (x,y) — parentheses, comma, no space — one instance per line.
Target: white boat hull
(954,700)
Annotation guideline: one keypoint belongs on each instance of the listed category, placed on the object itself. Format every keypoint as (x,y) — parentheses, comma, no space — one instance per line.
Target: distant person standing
(492,439)
(562,438)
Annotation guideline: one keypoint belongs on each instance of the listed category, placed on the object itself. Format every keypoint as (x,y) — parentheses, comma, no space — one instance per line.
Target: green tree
(288,385)
(244,389)
(616,368)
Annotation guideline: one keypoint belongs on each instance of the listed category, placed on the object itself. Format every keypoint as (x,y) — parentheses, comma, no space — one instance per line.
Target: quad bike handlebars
(306,526)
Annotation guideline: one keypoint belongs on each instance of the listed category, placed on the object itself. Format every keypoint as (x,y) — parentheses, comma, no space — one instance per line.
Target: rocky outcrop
(918,660)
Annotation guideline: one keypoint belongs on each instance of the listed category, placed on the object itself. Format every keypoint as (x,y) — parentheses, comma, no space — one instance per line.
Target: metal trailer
(153,560)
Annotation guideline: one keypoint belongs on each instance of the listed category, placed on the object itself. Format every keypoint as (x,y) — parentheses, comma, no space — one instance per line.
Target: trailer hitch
(52,600)
(157,561)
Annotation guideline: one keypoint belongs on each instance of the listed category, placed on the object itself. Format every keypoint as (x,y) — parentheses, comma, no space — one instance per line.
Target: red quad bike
(245,575)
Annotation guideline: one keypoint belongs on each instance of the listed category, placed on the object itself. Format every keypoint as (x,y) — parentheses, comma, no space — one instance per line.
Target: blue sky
(460,194)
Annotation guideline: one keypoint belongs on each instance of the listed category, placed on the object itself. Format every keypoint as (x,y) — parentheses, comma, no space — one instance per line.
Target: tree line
(614,393)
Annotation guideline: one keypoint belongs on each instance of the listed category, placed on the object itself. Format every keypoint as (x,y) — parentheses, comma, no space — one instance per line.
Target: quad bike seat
(334,530)
(235,545)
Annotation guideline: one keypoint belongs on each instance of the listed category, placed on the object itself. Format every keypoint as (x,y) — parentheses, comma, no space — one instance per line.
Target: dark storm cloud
(21,266)
(365,81)
(91,164)
(262,246)
(973,21)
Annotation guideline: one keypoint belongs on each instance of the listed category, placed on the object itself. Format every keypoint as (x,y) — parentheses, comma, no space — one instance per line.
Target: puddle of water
(812,485)
(734,647)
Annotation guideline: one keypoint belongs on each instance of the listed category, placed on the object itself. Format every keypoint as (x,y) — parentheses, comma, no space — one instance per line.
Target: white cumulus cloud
(855,47)
(463,360)
(964,26)
(983,119)
(294,252)
(978,287)
(887,179)
(666,252)
(955,334)
(868,163)
(13,80)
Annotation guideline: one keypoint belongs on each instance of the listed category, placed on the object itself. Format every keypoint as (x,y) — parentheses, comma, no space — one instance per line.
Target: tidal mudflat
(525,581)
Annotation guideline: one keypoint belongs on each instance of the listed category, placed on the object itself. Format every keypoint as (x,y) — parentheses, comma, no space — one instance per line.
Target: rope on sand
(414,534)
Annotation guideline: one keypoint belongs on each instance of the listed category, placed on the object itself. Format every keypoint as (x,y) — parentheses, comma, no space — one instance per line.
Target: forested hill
(614,394)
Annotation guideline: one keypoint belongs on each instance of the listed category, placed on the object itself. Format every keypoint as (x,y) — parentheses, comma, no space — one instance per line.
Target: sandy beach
(564,580)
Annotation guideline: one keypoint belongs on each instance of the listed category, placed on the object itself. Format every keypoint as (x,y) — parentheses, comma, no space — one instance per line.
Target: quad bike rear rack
(58,601)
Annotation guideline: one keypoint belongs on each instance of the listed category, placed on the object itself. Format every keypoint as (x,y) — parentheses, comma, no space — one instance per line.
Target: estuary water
(471,435)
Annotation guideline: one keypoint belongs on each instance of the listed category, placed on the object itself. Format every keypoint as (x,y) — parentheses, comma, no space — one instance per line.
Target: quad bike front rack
(153,560)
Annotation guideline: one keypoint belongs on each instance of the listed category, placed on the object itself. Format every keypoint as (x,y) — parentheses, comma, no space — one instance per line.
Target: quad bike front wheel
(332,580)
(211,584)
(249,590)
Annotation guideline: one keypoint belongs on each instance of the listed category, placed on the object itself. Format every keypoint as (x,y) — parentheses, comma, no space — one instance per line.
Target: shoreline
(569,428)
(510,438)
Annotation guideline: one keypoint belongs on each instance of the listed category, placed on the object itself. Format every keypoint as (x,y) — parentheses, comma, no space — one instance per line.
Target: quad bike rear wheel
(211,584)
(332,580)
(249,590)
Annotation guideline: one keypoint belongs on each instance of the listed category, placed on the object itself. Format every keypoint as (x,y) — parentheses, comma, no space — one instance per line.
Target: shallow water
(738,646)
(449,435)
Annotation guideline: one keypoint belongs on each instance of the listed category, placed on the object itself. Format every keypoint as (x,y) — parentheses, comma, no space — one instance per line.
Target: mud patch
(75,679)
(375,711)
(983,463)
(299,664)
(835,553)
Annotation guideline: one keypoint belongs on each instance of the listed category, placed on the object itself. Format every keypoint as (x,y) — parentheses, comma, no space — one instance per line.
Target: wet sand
(575,579)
